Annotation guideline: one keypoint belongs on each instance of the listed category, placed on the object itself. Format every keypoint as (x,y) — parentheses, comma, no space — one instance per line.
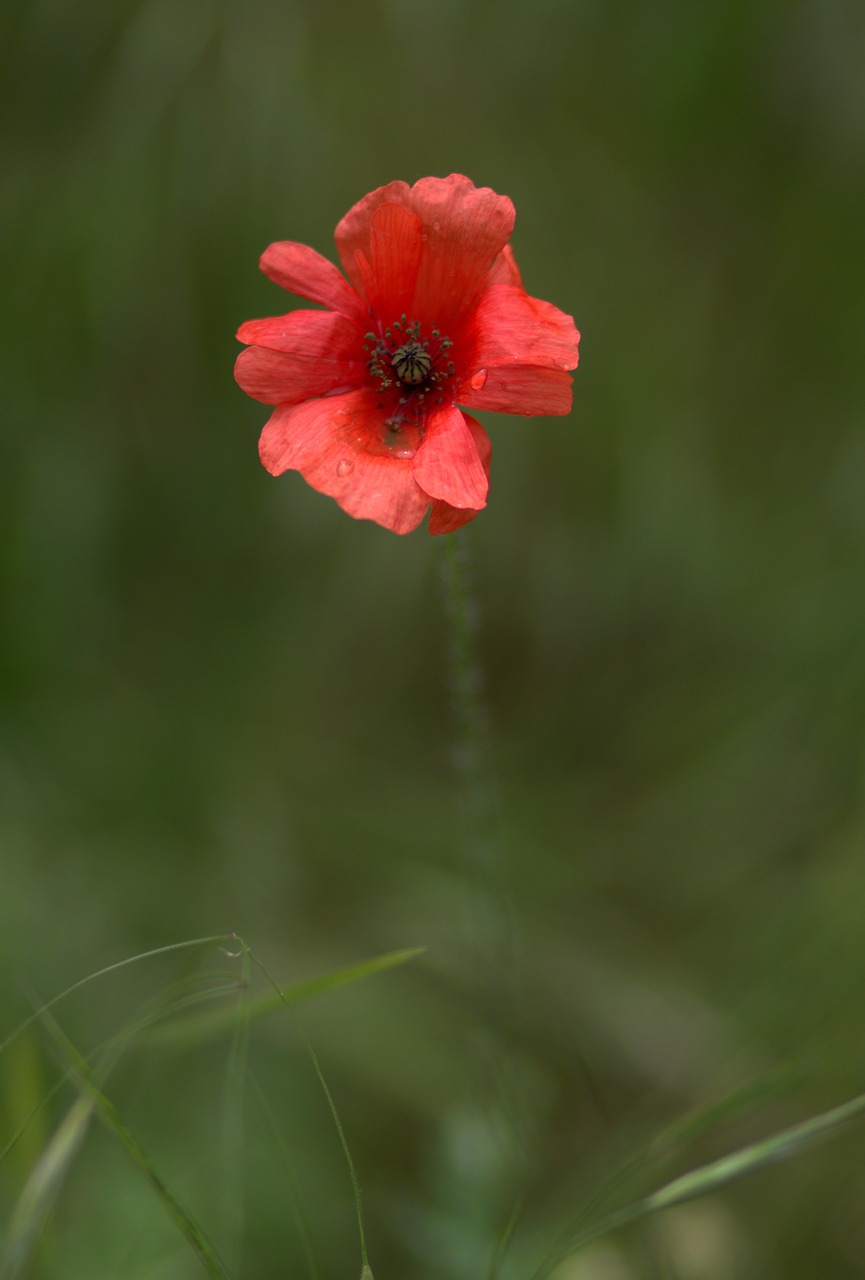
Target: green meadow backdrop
(223,703)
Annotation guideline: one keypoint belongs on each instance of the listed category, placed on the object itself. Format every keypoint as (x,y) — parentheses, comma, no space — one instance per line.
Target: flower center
(407,361)
(412,363)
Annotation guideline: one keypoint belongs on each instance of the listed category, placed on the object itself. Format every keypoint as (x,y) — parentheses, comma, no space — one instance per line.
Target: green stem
(488,927)
(472,748)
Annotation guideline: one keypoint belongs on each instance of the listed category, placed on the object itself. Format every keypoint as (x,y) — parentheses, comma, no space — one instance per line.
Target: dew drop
(478,379)
(437,226)
(344,468)
(407,452)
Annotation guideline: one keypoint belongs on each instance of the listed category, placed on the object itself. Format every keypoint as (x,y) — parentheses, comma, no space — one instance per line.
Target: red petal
(352,234)
(395,245)
(312,333)
(505,269)
(464,229)
(448,465)
(519,388)
(445,518)
(512,328)
(467,227)
(333,442)
(364,274)
(307,274)
(302,354)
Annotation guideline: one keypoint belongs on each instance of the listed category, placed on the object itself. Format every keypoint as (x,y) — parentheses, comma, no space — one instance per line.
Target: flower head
(370,394)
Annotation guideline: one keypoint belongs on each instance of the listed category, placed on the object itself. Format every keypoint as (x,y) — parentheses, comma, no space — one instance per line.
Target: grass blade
(110,1116)
(660,1150)
(221,940)
(283,1000)
(217,1022)
(43,1186)
(295,1206)
(710,1177)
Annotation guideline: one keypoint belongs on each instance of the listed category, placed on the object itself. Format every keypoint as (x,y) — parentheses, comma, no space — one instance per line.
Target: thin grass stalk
(366,1270)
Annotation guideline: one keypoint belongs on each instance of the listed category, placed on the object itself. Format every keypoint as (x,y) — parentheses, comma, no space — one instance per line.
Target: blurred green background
(223,700)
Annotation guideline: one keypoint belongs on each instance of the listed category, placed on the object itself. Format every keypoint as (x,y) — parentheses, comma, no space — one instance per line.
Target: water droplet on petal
(407,452)
(437,226)
(478,379)
(344,468)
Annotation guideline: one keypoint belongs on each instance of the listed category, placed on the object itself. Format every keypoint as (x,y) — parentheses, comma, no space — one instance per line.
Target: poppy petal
(447,464)
(280,377)
(446,519)
(313,333)
(510,327)
(336,445)
(464,229)
(519,388)
(395,245)
(302,354)
(307,274)
(353,232)
(505,270)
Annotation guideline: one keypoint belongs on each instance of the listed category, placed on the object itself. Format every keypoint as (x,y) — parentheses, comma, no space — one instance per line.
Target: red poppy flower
(435,316)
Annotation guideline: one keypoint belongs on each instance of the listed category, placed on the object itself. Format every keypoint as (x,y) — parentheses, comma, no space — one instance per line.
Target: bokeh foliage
(222,700)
